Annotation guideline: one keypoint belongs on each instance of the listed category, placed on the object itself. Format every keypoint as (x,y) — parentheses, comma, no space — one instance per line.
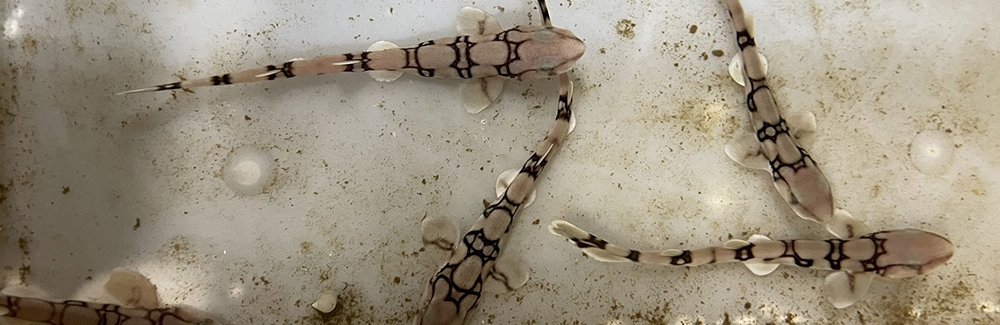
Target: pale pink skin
(522,52)
(797,177)
(462,276)
(890,254)
(86,313)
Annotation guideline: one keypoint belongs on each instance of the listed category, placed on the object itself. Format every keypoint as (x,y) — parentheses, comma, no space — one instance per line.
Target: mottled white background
(92,181)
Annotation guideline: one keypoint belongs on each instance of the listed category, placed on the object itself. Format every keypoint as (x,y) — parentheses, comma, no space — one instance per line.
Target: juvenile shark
(855,262)
(483,54)
(777,143)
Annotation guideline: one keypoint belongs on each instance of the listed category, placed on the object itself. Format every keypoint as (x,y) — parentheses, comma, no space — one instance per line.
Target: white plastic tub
(92,181)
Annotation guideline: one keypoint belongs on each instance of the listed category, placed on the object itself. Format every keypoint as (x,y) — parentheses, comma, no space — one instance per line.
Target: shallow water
(92,181)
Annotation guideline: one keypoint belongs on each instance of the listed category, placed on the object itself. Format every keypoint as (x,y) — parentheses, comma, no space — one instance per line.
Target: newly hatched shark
(777,144)
(475,263)
(855,262)
(74,312)
(140,306)
(483,54)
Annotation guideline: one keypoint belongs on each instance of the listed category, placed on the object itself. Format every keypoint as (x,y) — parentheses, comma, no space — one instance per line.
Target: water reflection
(11,25)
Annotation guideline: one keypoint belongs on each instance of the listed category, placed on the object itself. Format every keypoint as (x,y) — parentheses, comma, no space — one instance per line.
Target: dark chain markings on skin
(777,164)
(871,264)
(754,88)
(743,38)
(169,86)
(477,245)
(683,259)
(790,252)
(744,253)
(463,49)
(513,53)
(461,46)
(771,131)
(414,52)
(545,13)
(108,314)
(836,254)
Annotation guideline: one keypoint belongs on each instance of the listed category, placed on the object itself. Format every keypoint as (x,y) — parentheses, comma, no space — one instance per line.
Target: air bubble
(932,152)
(248,170)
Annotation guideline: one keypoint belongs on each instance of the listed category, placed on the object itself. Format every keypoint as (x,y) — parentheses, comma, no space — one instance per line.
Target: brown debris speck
(625,28)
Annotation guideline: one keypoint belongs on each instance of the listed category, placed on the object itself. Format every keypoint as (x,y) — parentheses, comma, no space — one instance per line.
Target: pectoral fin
(439,233)
(473,21)
(132,289)
(802,126)
(508,274)
(384,76)
(844,225)
(745,150)
(844,289)
(503,181)
(477,94)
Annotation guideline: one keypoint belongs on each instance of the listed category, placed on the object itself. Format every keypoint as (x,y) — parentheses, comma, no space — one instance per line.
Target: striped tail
(81,312)
(603,251)
(349,62)
(753,66)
